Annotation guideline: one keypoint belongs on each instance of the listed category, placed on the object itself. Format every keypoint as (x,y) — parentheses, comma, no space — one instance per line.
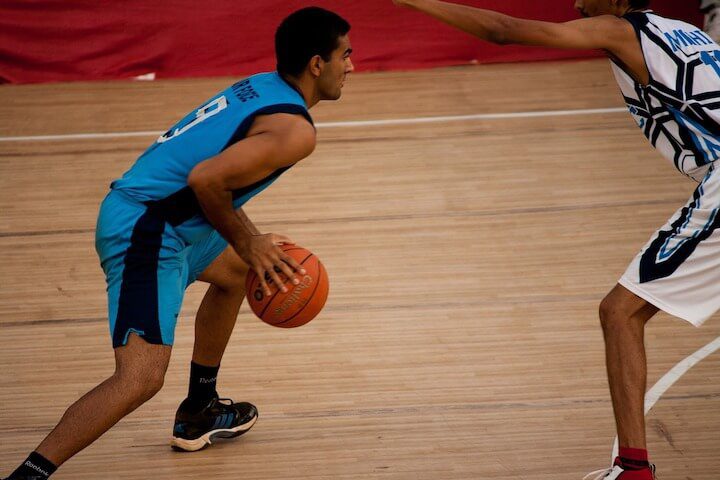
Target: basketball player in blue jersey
(669,74)
(176,217)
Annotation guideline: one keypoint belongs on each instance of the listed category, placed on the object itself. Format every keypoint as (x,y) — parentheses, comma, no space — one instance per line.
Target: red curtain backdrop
(64,40)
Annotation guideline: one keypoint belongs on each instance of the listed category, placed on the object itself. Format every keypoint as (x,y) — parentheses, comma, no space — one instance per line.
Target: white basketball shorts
(678,270)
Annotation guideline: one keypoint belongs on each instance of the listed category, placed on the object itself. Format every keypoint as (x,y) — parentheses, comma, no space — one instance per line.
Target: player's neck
(628,9)
(305,87)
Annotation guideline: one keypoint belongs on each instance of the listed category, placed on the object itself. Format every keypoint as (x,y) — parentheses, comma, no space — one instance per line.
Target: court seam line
(526,300)
(349,307)
(405,409)
(386,218)
(346,124)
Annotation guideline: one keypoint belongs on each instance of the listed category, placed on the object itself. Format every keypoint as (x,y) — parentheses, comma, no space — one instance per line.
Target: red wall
(51,40)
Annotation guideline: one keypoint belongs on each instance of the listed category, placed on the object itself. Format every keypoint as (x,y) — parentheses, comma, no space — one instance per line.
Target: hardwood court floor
(466,258)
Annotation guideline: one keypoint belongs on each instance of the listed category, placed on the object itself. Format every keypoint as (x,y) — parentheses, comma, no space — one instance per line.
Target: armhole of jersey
(244,127)
(638,20)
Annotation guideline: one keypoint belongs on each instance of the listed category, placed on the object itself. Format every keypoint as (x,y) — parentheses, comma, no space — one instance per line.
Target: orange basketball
(301,303)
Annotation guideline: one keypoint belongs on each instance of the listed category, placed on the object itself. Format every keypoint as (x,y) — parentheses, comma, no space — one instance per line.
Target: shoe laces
(606,473)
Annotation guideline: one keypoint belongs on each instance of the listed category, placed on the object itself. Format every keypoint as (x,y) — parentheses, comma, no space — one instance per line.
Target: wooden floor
(466,261)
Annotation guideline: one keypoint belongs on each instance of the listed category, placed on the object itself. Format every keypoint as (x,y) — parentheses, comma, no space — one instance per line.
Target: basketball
(301,303)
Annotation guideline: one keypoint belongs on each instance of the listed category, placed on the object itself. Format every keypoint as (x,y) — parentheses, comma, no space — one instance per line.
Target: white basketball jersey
(679,110)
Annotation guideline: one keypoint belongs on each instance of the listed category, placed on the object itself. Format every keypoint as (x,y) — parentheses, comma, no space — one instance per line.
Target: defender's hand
(263,254)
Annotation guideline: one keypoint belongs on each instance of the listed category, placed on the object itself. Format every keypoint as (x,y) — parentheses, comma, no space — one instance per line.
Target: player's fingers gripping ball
(301,303)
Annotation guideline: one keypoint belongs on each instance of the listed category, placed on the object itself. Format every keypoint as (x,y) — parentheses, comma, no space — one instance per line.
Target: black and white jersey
(679,110)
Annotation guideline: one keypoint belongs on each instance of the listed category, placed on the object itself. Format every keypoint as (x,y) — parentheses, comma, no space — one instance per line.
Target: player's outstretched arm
(604,32)
(274,141)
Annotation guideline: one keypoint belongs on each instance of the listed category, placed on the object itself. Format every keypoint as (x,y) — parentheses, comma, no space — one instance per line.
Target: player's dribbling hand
(265,257)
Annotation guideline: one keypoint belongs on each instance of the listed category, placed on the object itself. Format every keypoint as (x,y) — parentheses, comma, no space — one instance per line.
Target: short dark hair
(639,3)
(305,33)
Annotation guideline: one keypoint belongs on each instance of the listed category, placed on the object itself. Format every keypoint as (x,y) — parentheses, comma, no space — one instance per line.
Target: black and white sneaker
(221,418)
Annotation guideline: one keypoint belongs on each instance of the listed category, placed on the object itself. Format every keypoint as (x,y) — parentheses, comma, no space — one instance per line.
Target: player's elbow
(503,33)
(499,38)
(199,179)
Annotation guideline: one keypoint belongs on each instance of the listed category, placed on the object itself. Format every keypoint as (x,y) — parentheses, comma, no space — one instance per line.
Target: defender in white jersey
(669,75)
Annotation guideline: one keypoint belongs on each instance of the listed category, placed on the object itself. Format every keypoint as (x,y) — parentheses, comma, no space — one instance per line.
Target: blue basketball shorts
(147,268)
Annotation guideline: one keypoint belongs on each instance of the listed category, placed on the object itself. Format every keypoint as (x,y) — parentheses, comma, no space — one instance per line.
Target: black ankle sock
(202,383)
(35,466)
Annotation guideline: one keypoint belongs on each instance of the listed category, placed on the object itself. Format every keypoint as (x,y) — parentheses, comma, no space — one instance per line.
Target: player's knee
(142,384)
(234,279)
(154,382)
(237,280)
(612,316)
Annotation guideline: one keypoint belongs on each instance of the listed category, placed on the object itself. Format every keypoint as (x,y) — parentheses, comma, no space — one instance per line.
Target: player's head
(593,8)
(314,42)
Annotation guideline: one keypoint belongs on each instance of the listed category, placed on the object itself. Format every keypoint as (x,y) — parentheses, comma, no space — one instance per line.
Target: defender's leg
(623,316)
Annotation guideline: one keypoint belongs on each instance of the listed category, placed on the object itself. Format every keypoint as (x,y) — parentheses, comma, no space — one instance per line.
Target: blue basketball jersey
(159,177)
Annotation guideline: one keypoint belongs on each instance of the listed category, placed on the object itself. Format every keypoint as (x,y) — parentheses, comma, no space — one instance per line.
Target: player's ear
(316,65)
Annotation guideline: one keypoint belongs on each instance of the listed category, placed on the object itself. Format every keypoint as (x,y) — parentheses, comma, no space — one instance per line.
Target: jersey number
(712,60)
(202,114)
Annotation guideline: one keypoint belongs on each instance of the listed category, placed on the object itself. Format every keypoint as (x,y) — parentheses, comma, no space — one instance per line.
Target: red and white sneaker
(618,472)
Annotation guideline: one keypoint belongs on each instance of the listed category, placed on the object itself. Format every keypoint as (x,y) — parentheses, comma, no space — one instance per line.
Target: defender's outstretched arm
(605,32)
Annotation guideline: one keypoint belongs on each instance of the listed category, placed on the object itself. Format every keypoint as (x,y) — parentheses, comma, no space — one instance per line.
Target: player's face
(593,8)
(334,71)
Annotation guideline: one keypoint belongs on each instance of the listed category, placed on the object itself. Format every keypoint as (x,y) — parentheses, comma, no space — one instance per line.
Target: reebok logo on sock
(29,464)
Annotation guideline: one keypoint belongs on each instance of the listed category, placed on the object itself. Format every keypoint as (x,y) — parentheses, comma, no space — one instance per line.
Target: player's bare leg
(623,316)
(219,309)
(139,372)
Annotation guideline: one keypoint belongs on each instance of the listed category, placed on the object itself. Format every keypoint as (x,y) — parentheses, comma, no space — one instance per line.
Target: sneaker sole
(185,445)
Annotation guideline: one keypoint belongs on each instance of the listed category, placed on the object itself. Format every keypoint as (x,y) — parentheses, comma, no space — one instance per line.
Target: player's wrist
(241,241)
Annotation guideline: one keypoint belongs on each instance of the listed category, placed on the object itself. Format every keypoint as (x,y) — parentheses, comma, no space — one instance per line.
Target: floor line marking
(346,124)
